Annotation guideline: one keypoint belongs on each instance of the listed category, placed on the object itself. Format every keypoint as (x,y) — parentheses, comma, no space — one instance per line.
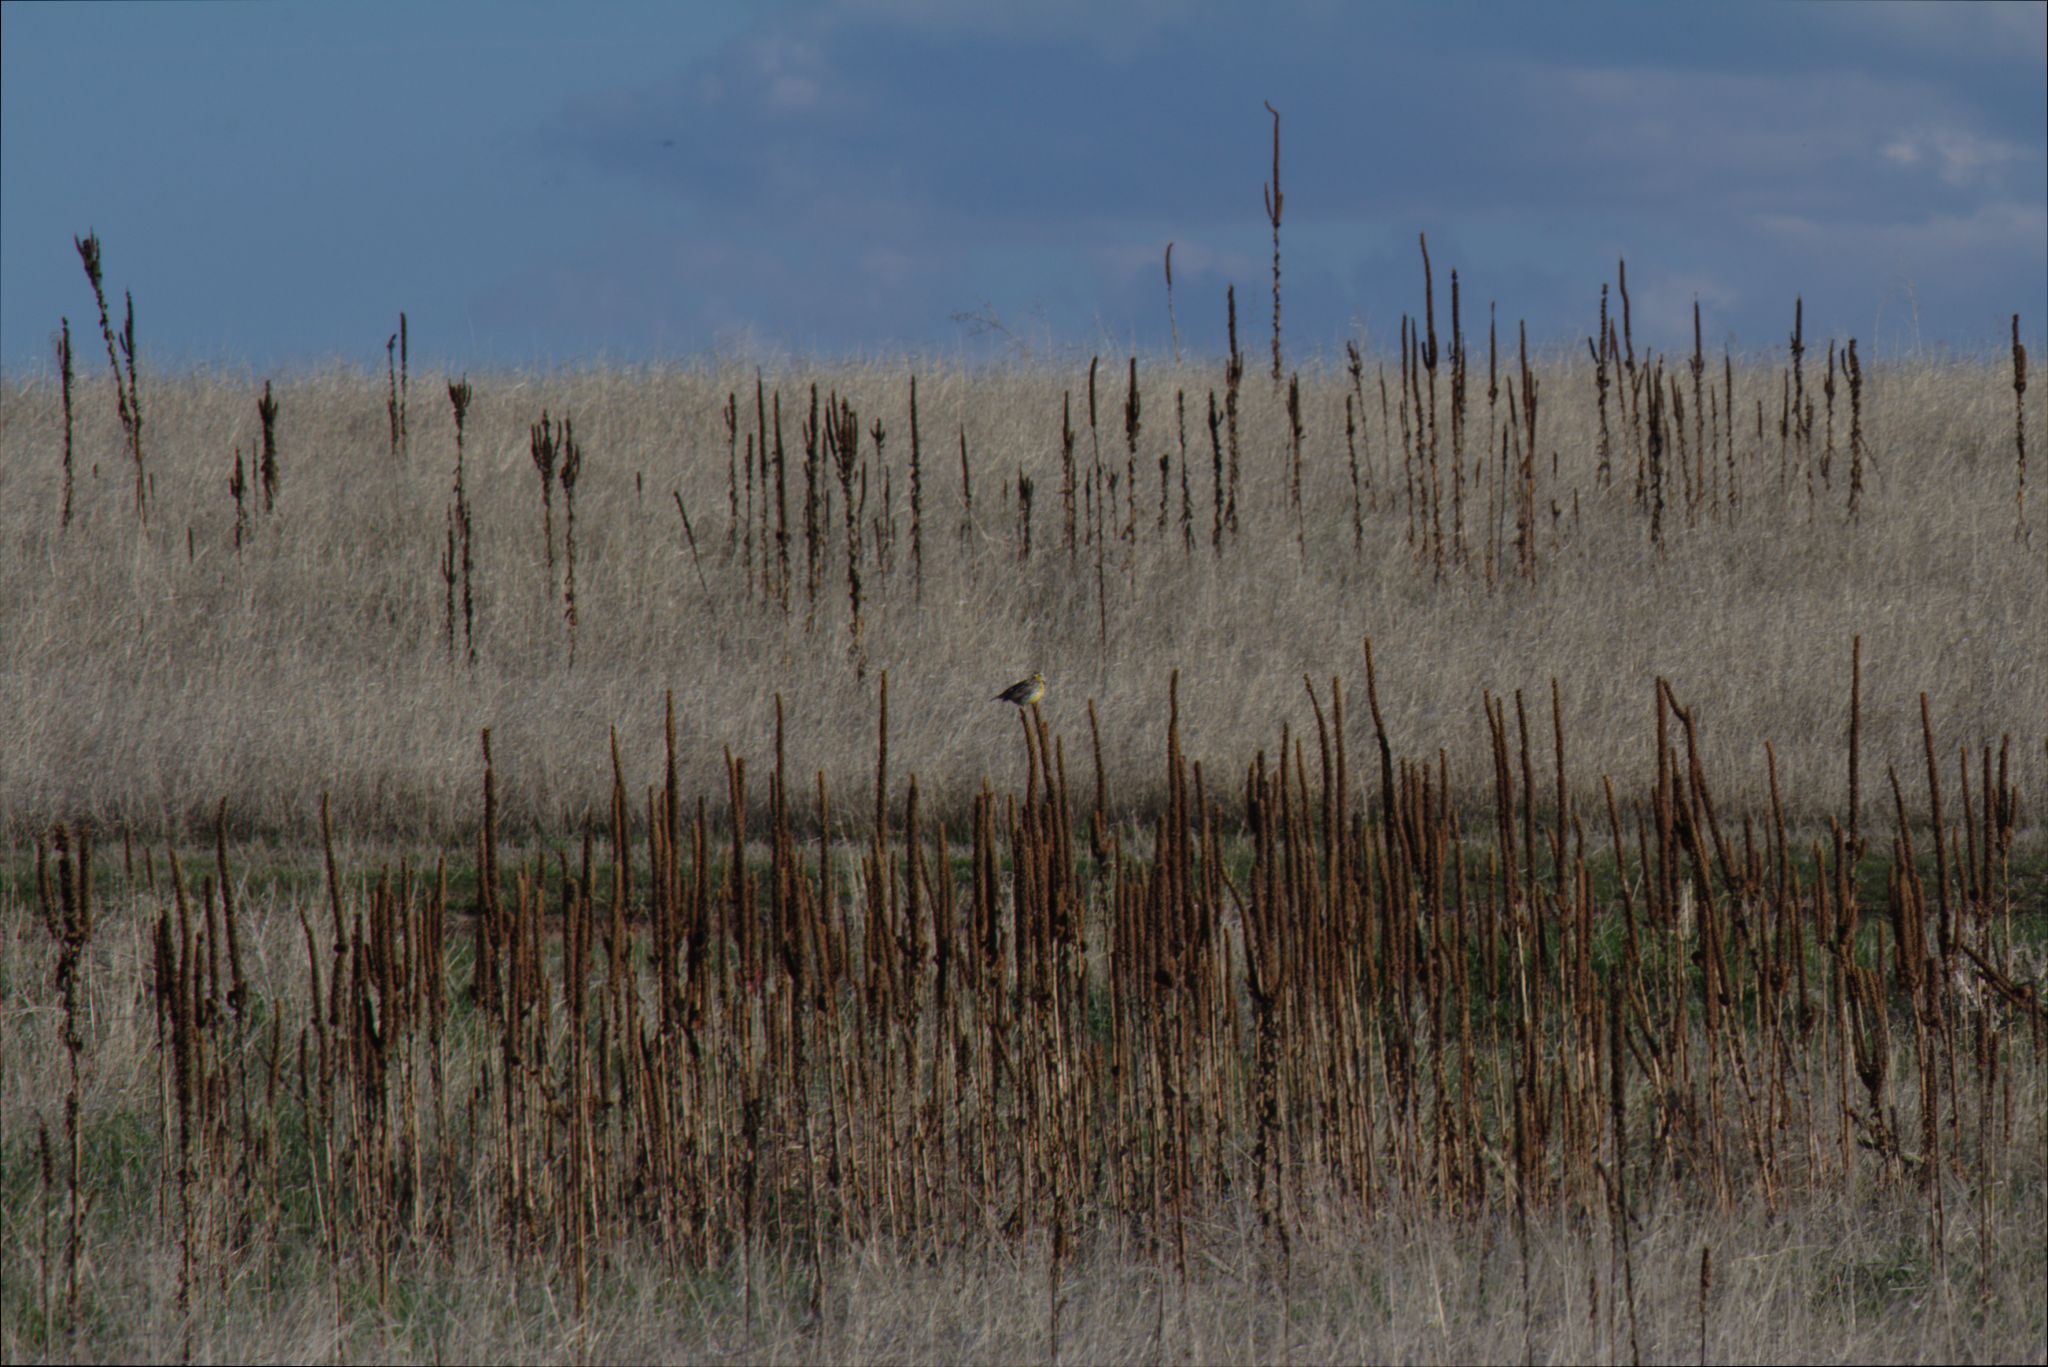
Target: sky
(545,185)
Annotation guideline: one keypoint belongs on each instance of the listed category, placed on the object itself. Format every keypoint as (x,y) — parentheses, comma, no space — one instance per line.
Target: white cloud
(1958,156)
(1810,142)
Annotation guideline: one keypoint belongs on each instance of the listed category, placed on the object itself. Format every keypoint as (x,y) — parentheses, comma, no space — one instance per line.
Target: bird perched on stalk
(1024,692)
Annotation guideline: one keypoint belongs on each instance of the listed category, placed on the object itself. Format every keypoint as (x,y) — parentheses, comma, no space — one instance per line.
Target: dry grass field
(1520,858)
(156,674)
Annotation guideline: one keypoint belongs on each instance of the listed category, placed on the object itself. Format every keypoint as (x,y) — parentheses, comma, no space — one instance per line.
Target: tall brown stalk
(266,464)
(121,360)
(2019,433)
(1172,323)
(64,371)
(571,470)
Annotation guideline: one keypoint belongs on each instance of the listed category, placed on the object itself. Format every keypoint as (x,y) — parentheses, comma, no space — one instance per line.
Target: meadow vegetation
(350,620)
(1521,856)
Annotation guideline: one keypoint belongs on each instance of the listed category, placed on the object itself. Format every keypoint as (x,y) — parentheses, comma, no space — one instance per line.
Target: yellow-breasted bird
(1024,692)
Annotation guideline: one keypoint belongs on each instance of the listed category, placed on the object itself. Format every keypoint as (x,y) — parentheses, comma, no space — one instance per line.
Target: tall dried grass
(1591,535)
(750,1058)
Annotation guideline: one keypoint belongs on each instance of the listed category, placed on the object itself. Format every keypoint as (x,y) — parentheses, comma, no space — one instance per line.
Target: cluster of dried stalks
(755,1045)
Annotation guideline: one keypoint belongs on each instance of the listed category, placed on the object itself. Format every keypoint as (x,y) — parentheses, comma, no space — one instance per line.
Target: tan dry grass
(141,685)
(1826,1282)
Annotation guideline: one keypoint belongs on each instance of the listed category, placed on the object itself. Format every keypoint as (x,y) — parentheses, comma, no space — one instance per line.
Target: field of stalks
(1521,856)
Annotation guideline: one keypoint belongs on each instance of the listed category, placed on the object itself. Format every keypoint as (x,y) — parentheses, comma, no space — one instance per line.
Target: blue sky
(558,185)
